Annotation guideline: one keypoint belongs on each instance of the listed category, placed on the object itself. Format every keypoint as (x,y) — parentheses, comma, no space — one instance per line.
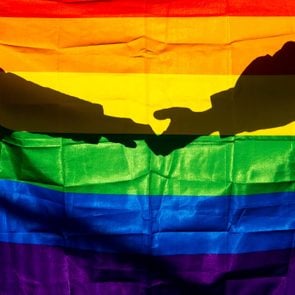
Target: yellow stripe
(137,96)
(216,45)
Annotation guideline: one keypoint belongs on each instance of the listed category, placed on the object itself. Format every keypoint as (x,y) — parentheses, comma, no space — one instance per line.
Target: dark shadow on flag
(262,98)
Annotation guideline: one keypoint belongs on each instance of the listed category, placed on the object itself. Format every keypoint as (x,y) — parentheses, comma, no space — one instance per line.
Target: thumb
(164,114)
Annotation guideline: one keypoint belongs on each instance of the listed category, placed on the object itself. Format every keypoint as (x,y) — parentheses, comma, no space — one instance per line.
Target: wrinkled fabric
(146,223)
(155,225)
(214,216)
(162,8)
(30,269)
(209,166)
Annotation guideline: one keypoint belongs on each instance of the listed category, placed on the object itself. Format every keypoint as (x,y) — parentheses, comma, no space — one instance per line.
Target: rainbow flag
(147,147)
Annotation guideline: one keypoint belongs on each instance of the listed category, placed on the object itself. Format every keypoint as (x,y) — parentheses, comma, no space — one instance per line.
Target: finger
(165,113)
(124,139)
(175,112)
(129,143)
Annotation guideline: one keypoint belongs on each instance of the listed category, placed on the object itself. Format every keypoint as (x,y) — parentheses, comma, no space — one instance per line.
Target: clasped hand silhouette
(263,97)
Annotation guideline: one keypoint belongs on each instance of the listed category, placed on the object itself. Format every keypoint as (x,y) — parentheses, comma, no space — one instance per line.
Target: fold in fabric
(47,270)
(155,225)
(209,166)
(141,45)
(87,8)
(84,214)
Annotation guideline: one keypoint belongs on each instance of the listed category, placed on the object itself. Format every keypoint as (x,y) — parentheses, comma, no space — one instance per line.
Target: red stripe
(158,8)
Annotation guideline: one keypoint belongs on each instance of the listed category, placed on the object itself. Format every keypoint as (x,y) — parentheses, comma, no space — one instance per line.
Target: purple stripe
(31,269)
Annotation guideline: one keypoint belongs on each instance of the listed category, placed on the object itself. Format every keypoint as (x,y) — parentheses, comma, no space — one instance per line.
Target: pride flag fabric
(147,147)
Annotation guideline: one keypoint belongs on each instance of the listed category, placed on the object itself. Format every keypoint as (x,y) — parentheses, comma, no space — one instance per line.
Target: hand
(178,134)
(124,130)
(182,120)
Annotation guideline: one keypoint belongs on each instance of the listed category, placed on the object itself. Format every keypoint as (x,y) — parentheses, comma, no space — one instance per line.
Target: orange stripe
(217,45)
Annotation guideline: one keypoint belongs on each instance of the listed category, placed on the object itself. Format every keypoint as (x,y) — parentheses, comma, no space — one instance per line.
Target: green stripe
(209,166)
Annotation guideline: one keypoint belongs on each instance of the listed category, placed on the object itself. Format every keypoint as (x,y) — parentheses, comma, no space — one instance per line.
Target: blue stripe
(161,225)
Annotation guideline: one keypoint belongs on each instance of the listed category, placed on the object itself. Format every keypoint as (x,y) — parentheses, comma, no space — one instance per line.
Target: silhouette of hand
(124,130)
(178,134)
(182,120)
